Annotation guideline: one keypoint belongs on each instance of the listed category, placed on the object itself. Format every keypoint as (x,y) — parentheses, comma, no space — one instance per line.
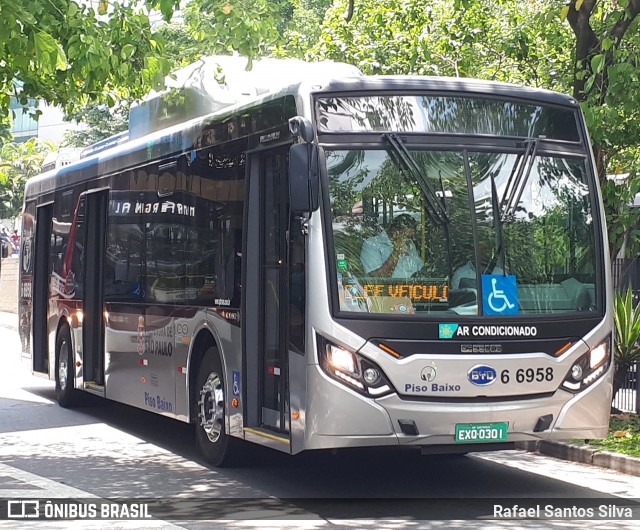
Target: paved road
(104,451)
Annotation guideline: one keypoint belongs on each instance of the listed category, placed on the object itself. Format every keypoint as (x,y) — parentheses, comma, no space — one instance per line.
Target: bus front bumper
(339,417)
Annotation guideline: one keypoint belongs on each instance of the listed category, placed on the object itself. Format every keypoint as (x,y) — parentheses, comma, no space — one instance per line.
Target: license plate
(481,432)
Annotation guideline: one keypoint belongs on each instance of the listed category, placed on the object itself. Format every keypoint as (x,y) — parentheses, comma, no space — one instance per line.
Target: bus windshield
(419,231)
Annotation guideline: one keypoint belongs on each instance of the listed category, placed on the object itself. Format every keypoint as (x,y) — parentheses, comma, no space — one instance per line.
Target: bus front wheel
(65,386)
(215,445)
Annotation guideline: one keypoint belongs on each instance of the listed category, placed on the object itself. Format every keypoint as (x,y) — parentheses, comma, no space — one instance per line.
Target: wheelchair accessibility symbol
(500,294)
(236,383)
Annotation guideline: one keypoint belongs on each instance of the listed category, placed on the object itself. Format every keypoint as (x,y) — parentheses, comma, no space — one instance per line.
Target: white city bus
(234,265)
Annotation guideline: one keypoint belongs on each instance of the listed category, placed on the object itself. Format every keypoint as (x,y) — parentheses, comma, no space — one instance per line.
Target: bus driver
(392,254)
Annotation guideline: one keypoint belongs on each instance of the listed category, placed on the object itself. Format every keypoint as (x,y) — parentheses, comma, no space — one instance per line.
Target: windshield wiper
(499,257)
(436,206)
(517,180)
(436,210)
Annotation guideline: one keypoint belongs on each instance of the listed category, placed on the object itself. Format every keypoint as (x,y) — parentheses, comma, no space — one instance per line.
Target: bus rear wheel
(215,445)
(65,386)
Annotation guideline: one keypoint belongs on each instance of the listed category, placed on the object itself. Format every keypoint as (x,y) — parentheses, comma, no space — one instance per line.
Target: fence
(628,397)
(626,273)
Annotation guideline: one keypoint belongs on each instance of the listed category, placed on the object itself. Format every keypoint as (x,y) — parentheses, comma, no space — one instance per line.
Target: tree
(68,53)
(100,122)
(181,46)
(505,40)
(606,81)
(588,48)
(286,28)
(253,29)
(303,28)
(19,162)
(223,26)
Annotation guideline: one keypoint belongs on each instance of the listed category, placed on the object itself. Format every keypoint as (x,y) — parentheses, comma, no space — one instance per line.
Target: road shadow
(28,414)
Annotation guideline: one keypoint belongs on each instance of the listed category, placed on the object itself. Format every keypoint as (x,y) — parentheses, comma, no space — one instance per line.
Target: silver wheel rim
(211,405)
(63,356)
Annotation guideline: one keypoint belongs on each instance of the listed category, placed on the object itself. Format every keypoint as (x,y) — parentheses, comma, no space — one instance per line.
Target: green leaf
(564,12)
(597,63)
(127,51)
(166,8)
(27,18)
(578,4)
(49,53)
(61,59)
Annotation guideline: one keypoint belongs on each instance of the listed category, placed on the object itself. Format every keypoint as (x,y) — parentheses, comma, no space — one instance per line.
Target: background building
(50,126)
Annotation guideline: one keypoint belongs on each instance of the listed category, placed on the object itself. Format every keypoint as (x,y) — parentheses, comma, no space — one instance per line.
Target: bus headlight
(340,359)
(588,368)
(353,370)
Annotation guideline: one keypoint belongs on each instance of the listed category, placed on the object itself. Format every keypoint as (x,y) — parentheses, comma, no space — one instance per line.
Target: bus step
(94,388)
(267,438)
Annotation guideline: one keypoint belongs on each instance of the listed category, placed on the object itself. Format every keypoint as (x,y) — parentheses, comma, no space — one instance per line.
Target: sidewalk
(575,453)
(9,320)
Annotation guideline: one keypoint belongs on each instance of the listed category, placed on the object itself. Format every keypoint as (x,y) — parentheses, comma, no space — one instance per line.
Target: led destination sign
(416,292)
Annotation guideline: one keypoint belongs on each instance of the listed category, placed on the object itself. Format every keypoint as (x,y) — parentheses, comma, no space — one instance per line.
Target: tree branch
(621,27)
(617,33)
(349,13)
(586,40)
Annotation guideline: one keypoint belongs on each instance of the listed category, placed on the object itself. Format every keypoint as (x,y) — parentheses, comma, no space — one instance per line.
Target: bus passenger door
(40,290)
(95,217)
(265,326)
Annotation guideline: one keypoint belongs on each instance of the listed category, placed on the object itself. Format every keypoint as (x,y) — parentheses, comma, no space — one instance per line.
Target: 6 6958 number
(528,375)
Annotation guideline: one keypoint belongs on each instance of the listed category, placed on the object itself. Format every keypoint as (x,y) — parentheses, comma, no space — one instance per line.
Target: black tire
(64,369)
(216,446)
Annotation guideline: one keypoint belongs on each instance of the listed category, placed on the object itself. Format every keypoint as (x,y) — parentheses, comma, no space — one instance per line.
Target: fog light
(371,376)
(576,372)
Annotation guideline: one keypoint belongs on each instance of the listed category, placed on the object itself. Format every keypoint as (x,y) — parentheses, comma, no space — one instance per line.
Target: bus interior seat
(468,283)
(578,293)
(568,295)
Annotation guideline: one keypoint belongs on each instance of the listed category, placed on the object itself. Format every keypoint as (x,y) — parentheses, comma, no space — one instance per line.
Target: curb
(585,454)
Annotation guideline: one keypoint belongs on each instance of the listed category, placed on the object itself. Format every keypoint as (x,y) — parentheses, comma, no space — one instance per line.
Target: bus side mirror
(304,177)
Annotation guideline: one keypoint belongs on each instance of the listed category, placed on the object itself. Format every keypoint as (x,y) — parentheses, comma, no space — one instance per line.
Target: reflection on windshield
(533,251)
(445,114)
